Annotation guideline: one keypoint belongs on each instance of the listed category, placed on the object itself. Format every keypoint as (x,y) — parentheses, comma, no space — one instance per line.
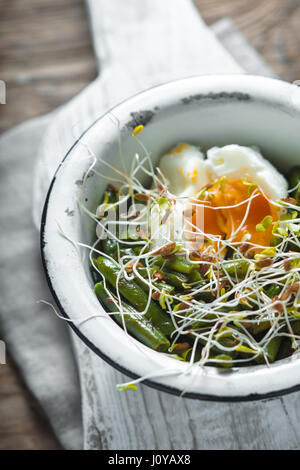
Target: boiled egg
(233,190)
(185,169)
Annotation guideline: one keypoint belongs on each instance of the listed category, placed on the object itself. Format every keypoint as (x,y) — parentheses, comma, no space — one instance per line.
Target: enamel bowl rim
(262,89)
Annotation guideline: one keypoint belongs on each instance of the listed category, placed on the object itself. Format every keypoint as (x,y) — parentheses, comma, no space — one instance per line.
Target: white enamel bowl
(207,110)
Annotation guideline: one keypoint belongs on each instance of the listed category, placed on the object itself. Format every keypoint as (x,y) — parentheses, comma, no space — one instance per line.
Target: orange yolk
(226,221)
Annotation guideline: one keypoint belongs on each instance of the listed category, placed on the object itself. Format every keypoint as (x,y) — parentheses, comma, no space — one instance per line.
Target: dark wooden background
(46,57)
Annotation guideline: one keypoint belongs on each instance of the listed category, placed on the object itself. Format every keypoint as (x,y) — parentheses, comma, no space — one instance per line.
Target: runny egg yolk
(239,222)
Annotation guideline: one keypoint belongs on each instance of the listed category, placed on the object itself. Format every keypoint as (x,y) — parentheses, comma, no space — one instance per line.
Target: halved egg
(232,192)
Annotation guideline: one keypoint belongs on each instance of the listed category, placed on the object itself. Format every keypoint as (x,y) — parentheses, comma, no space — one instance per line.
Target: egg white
(236,162)
(185,170)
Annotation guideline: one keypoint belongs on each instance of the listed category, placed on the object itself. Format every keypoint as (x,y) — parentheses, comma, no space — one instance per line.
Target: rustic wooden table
(46,57)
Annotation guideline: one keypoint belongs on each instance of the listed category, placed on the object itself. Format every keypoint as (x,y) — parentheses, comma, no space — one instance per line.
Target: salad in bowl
(170,238)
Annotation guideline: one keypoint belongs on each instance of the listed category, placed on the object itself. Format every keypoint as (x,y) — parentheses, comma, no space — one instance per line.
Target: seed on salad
(264,263)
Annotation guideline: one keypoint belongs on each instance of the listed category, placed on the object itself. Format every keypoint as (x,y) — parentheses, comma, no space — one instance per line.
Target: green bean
(273,290)
(136,324)
(275,241)
(210,319)
(110,247)
(259,327)
(238,268)
(225,358)
(195,276)
(179,264)
(227,342)
(144,283)
(164,286)
(271,350)
(207,296)
(160,285)
(176,279)
(135,295)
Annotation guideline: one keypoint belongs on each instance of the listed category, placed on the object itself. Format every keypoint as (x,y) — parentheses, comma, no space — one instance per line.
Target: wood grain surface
(271,26)
(22,423)
(46,57)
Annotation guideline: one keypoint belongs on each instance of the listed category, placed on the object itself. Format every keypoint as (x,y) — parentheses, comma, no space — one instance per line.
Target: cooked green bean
(134,294)
(259,327)
(178,263)
(110,247)
(228,343)
(176,279)
(144,283)
(160,285)
(273,290)
(236,268)
(195,276)
(271,350)
(223,360)
(136,324)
